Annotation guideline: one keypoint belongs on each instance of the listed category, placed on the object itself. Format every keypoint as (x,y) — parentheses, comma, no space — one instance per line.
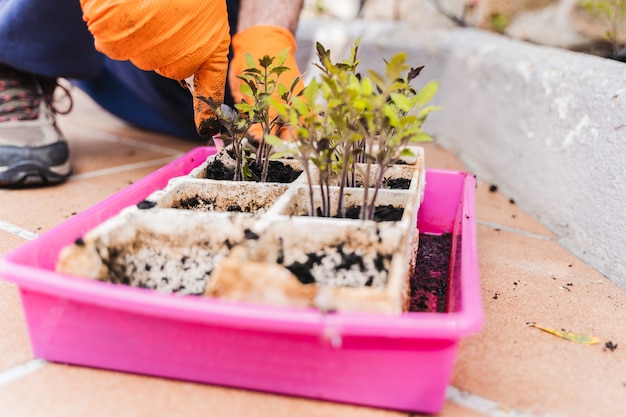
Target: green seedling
(261,83)
(346,118)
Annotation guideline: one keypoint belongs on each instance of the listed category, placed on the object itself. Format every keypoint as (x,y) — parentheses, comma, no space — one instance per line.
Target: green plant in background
(345,119)
(498,22)
(613,14)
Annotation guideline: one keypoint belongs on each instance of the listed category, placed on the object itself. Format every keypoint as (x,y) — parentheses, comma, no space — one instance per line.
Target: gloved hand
(259,41)
(176,38)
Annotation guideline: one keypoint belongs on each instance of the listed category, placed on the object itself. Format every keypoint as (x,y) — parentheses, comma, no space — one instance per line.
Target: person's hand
(259,41)
(175,38)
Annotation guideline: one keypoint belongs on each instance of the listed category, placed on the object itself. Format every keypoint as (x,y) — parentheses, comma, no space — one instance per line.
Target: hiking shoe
(32,149)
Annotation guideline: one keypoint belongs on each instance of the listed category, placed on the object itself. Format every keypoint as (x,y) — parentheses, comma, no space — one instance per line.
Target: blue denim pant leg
(142,98)
(48,38)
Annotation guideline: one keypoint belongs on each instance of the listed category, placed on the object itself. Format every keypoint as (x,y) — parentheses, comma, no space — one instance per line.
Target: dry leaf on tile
(572,337)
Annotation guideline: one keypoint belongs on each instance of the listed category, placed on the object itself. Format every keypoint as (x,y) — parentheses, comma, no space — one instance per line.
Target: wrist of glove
(177,39)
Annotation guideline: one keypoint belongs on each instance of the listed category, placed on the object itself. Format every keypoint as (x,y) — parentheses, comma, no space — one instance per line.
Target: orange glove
(176,38)
(259,41)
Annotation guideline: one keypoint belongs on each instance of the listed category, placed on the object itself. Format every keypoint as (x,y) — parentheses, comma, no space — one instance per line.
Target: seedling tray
(399,362)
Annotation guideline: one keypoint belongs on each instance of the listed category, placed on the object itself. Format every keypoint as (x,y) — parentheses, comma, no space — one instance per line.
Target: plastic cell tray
(399,362)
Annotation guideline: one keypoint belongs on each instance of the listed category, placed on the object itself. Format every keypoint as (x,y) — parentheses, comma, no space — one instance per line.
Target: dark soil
(398,183)
(429,280)
(384,213)
(349,261)
(145,204)
(277,172)
(208,204)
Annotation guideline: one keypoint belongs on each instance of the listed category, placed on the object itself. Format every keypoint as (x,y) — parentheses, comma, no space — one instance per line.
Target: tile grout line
(483,405)
(28,235)
(121,168)
(513,230)
(121,139)
(18,231)
(13,374)
(471,401)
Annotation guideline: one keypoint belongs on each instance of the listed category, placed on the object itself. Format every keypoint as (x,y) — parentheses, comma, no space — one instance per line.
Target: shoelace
(23,103)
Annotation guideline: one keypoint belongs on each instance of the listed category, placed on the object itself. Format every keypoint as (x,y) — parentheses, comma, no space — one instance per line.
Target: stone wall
(560,23)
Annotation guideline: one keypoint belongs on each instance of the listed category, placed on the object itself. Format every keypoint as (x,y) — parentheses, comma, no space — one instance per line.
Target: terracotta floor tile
(530,279)
(88,117)
(14,342)
(67,391)
(437,157)
(493,208)
(9,241)
(454,410)
(23,208)
(90,154)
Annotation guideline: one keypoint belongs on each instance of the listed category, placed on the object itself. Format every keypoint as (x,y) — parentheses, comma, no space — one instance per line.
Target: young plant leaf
(427,93)
(279,70)
(266,61)
(282,57)
(421,137)
(274,141)
(246,89)
(250,61)
(426,111)
(403,102)
(413,73)
(377,78)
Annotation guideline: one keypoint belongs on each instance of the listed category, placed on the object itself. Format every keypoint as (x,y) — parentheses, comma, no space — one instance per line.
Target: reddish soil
(429,280)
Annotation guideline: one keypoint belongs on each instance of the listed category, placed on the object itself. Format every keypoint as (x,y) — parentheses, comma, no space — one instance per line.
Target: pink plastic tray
(402,362)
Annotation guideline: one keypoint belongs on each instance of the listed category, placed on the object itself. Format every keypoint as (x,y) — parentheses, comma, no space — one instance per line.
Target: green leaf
(391,115)
(280,107)
(282,57)
(427,110)
(407,152)
(246,172)
(266,61)
(251,73)
(311,91)
(377,78)
(274,141)
(283,93)
(427,92)
(355,49)
(300,106)
(396,66)
(250,61)
(243,107)
(279,70)
(421,137)
(403,102)
(367,88)
(246,90)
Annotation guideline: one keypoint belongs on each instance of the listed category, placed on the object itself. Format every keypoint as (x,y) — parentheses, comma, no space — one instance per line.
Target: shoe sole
(33,173)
